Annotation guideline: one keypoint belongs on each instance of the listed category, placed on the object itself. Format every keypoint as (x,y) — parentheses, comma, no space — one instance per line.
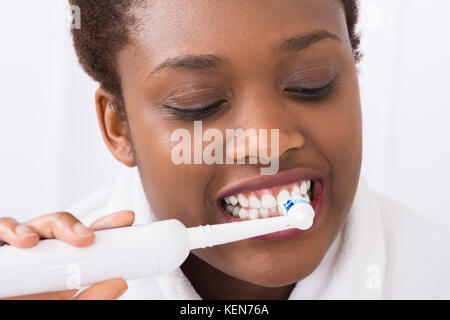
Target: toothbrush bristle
(290,203)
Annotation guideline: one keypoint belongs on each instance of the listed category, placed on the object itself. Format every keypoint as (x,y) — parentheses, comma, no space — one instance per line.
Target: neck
(212,284)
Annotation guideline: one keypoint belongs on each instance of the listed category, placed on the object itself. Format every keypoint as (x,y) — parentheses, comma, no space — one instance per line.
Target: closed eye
(316,93)
(196,113)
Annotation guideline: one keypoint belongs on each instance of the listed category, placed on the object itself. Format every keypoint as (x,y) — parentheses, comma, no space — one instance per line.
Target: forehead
(235,29)
(201,24)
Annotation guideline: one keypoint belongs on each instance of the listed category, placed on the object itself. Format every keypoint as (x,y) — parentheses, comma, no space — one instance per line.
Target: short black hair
(106,28)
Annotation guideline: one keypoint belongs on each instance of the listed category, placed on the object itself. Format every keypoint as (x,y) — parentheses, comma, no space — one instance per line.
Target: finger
(122,218)
(59,295)
(106,290)
(63,226)
(17,234)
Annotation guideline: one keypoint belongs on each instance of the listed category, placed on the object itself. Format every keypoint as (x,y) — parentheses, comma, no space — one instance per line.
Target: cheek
(336,130)
(340,133)
(339,136)
(168,187)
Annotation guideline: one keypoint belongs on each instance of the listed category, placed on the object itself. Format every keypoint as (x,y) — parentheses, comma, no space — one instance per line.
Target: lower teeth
(253,213)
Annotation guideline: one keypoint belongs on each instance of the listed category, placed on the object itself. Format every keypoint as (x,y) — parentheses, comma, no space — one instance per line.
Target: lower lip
(289,233)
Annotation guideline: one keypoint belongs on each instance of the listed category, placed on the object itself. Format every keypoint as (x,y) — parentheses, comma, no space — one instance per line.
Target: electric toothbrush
(130,253)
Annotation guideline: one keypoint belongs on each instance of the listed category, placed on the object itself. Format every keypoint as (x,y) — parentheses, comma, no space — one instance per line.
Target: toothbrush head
(302,211)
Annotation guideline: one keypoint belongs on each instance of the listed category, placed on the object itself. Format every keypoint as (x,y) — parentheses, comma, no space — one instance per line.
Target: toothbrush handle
(212,235)
(131,253)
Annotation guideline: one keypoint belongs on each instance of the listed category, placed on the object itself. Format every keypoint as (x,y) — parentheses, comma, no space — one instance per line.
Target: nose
(267,130)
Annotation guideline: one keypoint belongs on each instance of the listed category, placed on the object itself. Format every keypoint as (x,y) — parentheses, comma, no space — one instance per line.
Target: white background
(52,153)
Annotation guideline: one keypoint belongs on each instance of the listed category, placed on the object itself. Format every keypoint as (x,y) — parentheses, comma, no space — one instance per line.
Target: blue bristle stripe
(288,204)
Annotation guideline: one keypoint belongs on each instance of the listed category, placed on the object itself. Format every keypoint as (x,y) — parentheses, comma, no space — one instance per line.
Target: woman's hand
(64,226)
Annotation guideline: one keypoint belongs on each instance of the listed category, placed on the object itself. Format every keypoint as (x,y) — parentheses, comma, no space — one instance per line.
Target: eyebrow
(302,41)
(208,61)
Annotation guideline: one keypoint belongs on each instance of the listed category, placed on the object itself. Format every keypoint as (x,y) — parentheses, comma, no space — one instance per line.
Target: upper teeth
(233,200)
(254,202)
(296,192)
(243,201)
(268,201)
(282,197)
(253,206)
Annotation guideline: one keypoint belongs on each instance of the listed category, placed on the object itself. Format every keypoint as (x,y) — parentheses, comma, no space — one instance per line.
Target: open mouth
(266,203)
(261,203)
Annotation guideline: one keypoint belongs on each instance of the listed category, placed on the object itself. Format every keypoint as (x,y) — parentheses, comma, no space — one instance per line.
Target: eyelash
(305,94)
(313,94)
(198,112)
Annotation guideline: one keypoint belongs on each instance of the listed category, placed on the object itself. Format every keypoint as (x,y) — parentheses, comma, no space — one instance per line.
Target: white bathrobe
(384,251)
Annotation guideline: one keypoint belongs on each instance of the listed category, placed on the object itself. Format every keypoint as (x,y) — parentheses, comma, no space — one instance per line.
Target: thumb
(105,290)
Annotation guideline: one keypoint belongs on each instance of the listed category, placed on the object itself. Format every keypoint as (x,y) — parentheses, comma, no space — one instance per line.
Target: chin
(275,276)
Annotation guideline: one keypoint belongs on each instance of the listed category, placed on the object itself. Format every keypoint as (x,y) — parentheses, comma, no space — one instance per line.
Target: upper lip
(264,182)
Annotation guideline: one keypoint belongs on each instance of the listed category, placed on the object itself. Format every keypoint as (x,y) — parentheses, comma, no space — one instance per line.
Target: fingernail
(24,231)
(81,230)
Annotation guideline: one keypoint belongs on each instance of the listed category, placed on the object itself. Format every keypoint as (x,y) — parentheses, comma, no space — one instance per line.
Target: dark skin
(324,134)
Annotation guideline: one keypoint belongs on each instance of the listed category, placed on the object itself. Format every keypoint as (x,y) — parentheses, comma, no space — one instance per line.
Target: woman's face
(306,87)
